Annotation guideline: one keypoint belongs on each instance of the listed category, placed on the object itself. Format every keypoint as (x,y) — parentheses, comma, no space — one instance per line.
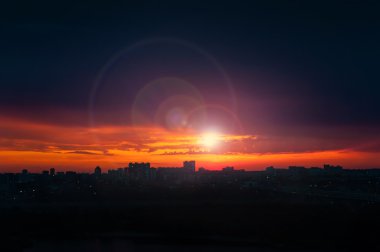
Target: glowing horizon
(38,146)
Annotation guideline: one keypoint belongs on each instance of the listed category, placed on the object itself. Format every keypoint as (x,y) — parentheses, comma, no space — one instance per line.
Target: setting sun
(210,139)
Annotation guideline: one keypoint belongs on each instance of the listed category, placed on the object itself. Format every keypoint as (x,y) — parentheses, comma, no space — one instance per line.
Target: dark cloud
(305,74)
(89,153)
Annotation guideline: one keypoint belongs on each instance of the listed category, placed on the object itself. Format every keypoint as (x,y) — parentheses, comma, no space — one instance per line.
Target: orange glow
(40,146)
(209,139)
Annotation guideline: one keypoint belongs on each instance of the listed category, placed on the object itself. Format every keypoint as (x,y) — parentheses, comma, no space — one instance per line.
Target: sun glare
(209,139)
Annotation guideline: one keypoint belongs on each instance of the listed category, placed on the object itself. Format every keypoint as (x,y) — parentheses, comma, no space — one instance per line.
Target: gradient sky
(86,84)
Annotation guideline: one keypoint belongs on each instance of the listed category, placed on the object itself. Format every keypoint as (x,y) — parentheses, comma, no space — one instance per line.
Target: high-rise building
(189,166)
(139,171)
(98,171)
(228,169)
(332,168)
(52,172)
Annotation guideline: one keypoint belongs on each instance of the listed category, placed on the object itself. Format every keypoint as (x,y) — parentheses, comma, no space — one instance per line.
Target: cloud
(83,152)
(46,144)
(21,135)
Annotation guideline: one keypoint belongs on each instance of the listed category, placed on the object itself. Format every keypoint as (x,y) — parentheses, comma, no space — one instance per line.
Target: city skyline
(166,149)
(190,164)
(189,125)
(186,166)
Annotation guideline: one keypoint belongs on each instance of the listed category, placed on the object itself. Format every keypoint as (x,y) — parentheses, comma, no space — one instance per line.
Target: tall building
(52,172)
(332,169)
(139,171)
(189,166)
(98,171)
(228,169)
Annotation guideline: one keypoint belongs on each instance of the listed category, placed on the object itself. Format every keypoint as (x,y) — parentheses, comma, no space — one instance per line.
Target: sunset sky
(238,85)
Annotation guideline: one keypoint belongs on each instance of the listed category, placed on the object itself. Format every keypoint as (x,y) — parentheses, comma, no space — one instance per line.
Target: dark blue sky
(294,66)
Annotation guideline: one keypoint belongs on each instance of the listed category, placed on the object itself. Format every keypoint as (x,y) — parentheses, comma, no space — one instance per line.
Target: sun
(209,139)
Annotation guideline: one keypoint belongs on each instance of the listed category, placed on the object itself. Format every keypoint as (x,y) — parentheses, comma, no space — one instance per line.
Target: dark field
(259,221)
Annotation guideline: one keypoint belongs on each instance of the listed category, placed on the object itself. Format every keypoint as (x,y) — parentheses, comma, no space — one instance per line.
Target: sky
(244,84)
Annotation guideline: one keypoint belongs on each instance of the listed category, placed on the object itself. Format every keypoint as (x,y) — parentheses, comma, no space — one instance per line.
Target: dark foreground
(212,221)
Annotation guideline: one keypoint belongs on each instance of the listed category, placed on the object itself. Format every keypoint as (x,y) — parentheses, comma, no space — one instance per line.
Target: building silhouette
(52,172)
(98,171)
(189,166)
(139,171)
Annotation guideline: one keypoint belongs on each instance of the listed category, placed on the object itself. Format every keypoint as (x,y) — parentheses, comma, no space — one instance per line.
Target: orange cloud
(25,144)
